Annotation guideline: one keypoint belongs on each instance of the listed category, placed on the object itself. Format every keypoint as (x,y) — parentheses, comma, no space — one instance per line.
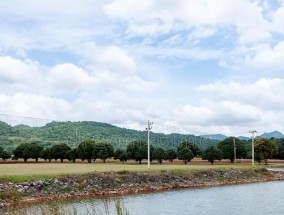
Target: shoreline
(108,184)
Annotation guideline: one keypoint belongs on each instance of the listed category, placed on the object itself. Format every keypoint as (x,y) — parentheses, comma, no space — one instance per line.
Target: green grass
(17,172)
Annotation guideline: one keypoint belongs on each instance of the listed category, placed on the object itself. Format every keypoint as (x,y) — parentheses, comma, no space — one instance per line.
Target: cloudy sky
(199,67)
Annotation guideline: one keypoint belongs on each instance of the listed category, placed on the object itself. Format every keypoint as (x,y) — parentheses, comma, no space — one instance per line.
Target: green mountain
(274,134)
(219,137)
(73,133)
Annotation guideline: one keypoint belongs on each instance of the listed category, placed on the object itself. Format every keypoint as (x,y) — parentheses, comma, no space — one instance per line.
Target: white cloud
(150,16)
(68,78)
(267,57)
(258,105)
(265,93)
(133,60)
(278,20)
(22,104)
(117,59)
(13,71)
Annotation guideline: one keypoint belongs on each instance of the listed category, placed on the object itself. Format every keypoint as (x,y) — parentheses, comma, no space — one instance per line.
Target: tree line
(90,150)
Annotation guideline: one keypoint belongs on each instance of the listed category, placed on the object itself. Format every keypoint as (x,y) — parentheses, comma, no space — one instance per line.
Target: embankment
(126,182)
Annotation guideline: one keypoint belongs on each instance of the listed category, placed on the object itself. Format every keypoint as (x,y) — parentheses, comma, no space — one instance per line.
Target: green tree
(265,149)
(185,155)
(4,155)
(28,150)
(117,153)
(188,145)
(211,154)
(280,144)
(46,154)
(20,152)
(72,155)
(227,148)
(60,151)
(159,154)
(86,150)
(171,155)
(137,151)
(34,150)
(123,157)
(103,151)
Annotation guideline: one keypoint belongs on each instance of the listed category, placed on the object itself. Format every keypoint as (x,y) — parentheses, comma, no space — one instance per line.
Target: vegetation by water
(126,182)
(59,208)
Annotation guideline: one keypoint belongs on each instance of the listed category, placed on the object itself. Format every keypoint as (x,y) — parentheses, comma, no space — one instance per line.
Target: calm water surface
(259,199)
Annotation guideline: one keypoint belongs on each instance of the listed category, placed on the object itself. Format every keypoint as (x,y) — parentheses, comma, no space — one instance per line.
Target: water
(260,199)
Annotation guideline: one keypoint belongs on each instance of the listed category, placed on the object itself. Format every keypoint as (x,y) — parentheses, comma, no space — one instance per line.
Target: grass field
(20,171)
(36,169)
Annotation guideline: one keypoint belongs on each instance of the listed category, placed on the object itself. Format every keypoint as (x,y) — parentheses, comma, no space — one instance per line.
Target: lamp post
(149,127)
(235,151)
(252,146)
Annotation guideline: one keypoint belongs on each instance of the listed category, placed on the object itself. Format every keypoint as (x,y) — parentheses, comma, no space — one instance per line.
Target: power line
(25,117)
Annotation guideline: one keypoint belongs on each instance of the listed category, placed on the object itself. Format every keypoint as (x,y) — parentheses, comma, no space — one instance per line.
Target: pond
(260,198)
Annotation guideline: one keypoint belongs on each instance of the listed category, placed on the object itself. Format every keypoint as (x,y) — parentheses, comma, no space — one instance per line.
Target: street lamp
(235,152)
(252,146)
(149,127)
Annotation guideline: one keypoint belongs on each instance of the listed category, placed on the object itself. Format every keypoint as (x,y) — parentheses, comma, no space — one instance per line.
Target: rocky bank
(125,182)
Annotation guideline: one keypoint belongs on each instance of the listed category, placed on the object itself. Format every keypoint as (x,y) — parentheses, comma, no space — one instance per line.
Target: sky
(196,67)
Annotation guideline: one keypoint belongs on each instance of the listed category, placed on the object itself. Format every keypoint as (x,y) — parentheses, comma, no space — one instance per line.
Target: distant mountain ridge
(72,133)
(215,136)
(220,137)
(275,134)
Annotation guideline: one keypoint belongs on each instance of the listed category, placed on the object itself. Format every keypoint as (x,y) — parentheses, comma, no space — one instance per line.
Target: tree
(265,149)
(4,155)
(46,154)
(123,157)
(28,150)
(211,154)
(103,151)
(72,155)
(159,154)
(280,144)
(117,153)
(227,148)
(188,145)
(34,150)
(60,151)
(186,155)
(137,150)
(86,150)
(20,151)
(171,155)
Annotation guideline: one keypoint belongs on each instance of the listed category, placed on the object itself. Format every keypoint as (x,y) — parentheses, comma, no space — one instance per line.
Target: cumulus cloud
(125,61)
(117,59)
(68,78)
(155,17)
(13,71)
(23,104)
(265,93)
(267,57)
(257,104)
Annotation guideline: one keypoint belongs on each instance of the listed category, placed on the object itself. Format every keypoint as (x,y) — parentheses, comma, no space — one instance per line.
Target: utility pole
(252,146)
(235,151)
(149,127)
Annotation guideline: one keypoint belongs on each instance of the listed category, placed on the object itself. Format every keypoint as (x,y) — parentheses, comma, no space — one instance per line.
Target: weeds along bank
(125,182)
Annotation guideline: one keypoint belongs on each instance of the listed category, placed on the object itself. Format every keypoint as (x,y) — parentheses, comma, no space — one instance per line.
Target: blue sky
(198,67)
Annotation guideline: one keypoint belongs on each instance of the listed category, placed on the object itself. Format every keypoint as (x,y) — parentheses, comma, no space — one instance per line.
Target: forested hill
(73,133)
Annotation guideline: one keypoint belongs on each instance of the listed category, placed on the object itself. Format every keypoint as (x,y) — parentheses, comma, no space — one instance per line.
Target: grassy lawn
(51,169)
